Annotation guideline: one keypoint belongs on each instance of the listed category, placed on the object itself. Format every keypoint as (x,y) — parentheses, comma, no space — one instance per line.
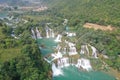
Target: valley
(60,40)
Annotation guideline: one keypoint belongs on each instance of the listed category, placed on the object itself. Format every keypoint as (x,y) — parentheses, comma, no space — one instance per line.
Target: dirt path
(100,27)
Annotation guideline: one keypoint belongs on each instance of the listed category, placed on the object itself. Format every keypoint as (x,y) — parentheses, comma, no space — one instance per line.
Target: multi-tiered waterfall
(72,48)
(85,50)
(84,64)
(49,33)
(38,34)
(63,62)
(33,34)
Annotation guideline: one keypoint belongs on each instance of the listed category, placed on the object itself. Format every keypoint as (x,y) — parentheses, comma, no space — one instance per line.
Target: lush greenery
(20,59)
(22,56)
(96,11)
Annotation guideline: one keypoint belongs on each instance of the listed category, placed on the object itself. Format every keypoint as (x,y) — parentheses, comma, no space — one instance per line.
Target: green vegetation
(20,59)
(78,12)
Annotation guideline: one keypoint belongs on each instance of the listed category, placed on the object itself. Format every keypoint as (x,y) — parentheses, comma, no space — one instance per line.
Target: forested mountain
(97,11)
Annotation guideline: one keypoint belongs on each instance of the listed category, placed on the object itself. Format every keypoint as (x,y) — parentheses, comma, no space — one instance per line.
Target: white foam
(58,38)
(38,34)
(33,34)
(84,63)
(63,62)
(56,71)
(94,51)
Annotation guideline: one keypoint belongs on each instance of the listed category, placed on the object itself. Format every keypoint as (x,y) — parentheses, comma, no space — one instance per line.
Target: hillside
(96,11)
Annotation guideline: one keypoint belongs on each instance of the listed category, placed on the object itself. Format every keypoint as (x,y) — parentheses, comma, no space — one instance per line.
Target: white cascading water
(58,38)
(64,51)
(84,64)
(56,71)
(58,54)
(84,49)
(33,34)
(38,34)
(72,48)
(47,32)
(94,51)
(72,51)
(51,33)
(63,62)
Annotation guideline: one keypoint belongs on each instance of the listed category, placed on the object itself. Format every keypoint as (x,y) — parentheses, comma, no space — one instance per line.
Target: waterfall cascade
(56,55)
(84,49)
(72,48)
(49,33)
(84,64)
(94,51)
(56,71)
(63,62)
(33,34)
(38,34)
(58,38)
(72,51)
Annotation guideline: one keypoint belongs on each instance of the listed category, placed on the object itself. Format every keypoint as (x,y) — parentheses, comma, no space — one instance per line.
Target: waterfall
(84,64)
(56,71)
(94,51)
(38,33)
(84,49)
(33,34)
(47,33)
(72,48)
(58,38)
(51,33)
(72,51)
(63,62)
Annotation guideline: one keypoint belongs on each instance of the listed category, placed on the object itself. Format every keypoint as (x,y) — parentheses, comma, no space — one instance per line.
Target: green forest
(22,57)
